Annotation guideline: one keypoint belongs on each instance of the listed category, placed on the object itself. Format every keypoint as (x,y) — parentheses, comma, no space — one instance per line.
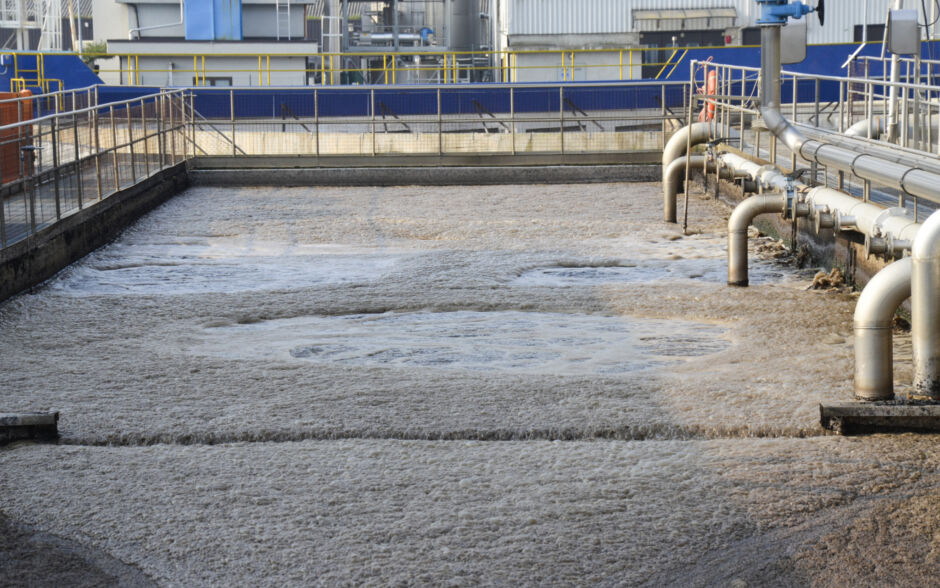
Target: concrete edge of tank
(29,262)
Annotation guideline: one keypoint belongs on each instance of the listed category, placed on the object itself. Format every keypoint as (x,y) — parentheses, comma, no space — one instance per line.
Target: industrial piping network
(888,232)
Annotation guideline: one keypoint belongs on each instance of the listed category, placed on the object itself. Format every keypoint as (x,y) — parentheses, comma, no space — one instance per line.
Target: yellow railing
(19,81)
(404,67)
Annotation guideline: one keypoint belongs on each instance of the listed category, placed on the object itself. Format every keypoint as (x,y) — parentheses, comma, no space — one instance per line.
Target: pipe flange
(896,248)
(875,246)
(842,222)
(749,186)
(824,220)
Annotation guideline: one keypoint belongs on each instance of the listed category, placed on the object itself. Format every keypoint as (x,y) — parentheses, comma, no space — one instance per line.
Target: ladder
(282,11)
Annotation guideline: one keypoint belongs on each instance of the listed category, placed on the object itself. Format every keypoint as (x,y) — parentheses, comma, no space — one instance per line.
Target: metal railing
(55,102)
(56,165)
(826,107)
(562,119)
(390,68)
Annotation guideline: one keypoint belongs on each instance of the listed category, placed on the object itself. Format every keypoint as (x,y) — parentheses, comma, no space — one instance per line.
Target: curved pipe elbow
(874,313)
(883,294)
(673,179)
(926,244)
(700,133)
(782,129)
(744,213)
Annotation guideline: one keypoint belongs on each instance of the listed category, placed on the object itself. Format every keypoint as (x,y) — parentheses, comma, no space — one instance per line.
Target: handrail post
(55,166)
(512,118)
(130,142)
(94,124)
(192,123)
(161,129)
(143,121)
(440,125)
(316,119)
(372,116)
(78,161)
(114,152)
(231,111)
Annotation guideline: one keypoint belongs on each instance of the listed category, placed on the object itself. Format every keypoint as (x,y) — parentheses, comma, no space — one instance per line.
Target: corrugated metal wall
(587,17)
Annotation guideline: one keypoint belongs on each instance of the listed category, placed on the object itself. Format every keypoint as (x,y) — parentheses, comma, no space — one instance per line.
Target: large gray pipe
(675,148)
(673,179)
(925,312)
(875,126)
(868,167)
(874,316)
(864,217)
(741,218)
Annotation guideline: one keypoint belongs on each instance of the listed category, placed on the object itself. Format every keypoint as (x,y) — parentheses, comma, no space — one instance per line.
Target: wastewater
(502,384)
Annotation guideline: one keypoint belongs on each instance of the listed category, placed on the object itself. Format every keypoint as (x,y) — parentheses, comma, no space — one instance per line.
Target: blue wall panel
(227,19)
(199,21)
(213,20)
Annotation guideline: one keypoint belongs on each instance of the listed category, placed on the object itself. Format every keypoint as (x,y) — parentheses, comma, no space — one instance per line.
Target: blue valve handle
(776,12)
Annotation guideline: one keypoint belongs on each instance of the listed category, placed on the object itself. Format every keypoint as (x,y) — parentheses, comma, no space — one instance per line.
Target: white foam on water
(505,341)
(204,265)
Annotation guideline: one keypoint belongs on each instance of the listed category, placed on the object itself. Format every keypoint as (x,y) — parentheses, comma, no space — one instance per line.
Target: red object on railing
(711,88)
(12,141)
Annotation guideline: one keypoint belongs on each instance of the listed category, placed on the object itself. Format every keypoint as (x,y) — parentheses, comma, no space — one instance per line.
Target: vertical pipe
(316,120)
(770,67)
(395,30)
(440,125)
(873,323)
(925,312)
(893,89)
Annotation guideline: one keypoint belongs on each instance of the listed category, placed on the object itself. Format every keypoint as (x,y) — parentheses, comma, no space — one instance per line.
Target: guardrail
(403,67)
(57,102)
(826,107)
(57,164)
(474,119)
